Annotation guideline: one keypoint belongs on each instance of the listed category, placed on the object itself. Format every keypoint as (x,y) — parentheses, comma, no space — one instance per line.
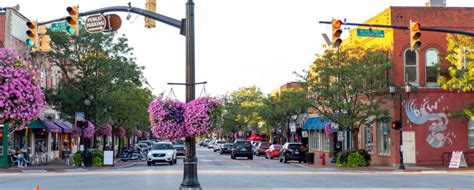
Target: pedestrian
(42,150)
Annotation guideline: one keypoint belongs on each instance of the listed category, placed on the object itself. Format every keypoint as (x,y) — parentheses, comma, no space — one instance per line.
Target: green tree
(345,86)
(277,108)
(240,109)
(461,71)
(92,65)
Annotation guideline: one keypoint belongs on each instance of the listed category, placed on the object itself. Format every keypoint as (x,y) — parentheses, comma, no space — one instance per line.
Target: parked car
(211,144)
(147,142)
(273,151)
(206,143)
(226,148)
(179,145)
(292,151)
(262,147)
(242,148)
(142,147)
(217,145)
(162,152)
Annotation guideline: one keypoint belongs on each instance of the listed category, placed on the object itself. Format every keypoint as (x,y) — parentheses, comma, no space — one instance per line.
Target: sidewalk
(60,166)
(375,169)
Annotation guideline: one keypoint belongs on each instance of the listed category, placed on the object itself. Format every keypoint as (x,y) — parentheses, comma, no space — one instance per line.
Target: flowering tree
(89,130)
(172,119)
(21,97)
(105,130)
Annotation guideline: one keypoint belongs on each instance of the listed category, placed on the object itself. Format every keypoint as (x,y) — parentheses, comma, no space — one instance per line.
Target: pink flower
(89,130)
(105,130)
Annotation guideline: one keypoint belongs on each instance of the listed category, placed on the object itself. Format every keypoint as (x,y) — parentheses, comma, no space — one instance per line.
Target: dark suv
(242,148)
(293,151)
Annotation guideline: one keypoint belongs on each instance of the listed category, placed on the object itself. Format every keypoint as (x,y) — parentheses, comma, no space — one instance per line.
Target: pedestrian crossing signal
(396,125)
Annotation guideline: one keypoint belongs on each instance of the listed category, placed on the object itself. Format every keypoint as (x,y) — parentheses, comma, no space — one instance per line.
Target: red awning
(255,138)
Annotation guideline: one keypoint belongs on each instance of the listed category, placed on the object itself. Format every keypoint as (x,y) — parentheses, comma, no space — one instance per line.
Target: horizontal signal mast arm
(155,16)
(444,30)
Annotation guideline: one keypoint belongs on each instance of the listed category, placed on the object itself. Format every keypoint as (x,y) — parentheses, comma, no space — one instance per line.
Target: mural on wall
(428,111)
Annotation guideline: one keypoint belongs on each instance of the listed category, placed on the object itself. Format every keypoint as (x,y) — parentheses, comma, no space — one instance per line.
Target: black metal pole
(190,177)
(401,167)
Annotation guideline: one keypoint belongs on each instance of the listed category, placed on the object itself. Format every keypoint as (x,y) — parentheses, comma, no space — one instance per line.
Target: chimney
(436,3)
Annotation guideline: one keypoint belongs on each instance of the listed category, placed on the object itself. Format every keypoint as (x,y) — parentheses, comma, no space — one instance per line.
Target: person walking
(42,151)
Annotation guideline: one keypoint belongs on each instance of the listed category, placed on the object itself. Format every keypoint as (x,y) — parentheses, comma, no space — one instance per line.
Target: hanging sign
(457,160)
(95,23)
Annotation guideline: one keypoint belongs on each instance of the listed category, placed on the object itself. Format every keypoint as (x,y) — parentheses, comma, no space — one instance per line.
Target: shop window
(326,144)
(431,64)
(470,133)
(411,67)
(55,142)
(367,137)
(315,140)
(383,139)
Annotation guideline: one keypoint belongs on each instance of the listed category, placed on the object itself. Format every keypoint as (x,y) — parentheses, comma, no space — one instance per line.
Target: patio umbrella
(255,138)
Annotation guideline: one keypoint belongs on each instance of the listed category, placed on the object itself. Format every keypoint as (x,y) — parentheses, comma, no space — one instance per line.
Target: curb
(386,171)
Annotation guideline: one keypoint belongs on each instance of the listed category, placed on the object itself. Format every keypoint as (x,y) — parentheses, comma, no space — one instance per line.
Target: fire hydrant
(323,159)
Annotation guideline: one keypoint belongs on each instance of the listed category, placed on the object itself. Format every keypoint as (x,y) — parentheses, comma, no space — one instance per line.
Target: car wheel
(175,161)
(171,162)
(271,157)
(250,157)
(221,153)
(300,161)
(153,163)
(148,163)
(279,159)
(266,157)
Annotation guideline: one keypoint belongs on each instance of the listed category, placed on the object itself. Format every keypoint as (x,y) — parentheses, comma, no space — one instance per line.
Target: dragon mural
(428,112)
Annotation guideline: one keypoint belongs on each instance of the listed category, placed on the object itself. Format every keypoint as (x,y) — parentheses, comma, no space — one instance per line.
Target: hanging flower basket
(105,130)
(172,119)
(138,133)
(89,130)
(120,132)
(21,97)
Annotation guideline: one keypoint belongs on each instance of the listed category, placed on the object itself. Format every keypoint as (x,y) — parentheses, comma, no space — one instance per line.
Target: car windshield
(264,144)
(162,147)
(243,144)
(294,146)
(276,146)
(179,142)
(227,145)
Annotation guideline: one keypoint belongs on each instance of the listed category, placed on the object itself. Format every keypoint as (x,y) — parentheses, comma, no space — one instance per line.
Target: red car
(273,151)
(262,147)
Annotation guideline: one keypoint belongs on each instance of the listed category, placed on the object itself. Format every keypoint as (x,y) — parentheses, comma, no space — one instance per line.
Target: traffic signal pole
(186,26)
(443,30)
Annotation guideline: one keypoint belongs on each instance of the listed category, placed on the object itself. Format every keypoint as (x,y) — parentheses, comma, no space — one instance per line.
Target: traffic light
(32,34)
(336,33)
(415,34)
(150,5)
(73,25)
(44,40)
(396,125)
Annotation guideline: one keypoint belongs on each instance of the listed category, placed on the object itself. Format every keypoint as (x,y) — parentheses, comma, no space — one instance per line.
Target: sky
(239,43)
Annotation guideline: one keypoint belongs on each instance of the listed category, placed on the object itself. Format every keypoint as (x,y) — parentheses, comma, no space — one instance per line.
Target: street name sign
(95,23)
(370,33)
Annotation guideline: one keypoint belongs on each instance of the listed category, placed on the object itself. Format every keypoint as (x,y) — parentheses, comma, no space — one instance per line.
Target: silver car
(162,152)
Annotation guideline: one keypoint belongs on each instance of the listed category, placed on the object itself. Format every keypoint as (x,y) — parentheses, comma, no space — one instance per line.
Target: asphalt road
(219,172)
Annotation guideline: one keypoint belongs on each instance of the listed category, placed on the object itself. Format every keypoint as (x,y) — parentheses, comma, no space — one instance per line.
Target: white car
(162,152)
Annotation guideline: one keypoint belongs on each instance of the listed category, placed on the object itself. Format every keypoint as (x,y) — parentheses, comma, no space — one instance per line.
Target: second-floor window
(411,67)
(432,60)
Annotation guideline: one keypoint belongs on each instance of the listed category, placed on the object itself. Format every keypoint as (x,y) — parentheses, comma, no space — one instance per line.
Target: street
(220,172)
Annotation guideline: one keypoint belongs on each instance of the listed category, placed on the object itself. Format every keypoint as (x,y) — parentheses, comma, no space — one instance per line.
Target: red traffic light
(396,125)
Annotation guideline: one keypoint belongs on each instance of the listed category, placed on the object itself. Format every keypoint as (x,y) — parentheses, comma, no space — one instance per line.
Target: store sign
(304,134)
(79,116)
(457,160)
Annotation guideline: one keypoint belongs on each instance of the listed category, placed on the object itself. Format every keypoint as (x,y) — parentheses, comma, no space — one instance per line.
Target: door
(409,151)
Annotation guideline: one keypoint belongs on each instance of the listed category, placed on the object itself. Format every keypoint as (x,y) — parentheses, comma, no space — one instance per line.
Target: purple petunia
(105,130)
(21,96)
(89,130)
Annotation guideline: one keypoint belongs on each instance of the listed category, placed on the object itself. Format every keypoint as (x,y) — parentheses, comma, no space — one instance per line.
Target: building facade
(429,133)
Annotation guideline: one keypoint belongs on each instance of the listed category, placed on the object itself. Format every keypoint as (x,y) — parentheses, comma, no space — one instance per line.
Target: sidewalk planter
(351,158)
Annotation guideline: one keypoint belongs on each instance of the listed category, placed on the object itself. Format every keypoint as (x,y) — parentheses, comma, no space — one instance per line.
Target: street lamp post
(400,97)
(190,177)
(87,103)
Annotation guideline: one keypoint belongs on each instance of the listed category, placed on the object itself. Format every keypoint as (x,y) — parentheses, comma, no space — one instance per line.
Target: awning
(52,127)
(37,124)
(315,123)
(64,127)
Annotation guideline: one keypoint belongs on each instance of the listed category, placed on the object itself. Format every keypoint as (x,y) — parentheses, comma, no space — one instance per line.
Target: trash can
(310,158)
(88,159)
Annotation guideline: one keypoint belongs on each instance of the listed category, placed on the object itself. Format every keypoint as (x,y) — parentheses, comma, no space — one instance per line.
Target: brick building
(429,134)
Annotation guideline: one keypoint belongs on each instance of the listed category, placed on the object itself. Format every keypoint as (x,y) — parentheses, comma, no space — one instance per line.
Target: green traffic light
(30,42)
(70,30)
